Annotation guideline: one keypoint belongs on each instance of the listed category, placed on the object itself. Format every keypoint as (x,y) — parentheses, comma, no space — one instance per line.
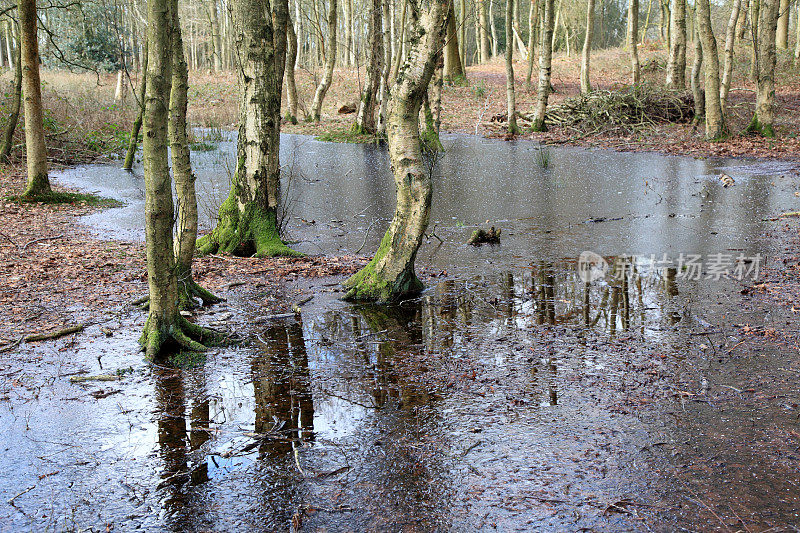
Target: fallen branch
(54,335)
(43,239)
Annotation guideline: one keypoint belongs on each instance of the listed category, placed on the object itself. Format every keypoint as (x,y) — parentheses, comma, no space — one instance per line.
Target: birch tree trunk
(493,28)
(633,41)
(137,124)
(676,63)
(453,68)
(38,183)
(365,119)
(188,289)
(764,117)
(697,90)
(755,15)
(715,120)
(164,322)
(348,33)
(533,25)
(330,64)
(291,61)
(462,32)
(216,42)
(545,64)
(730,38)
(13,117)
(387,61)
(782,32)
(390,274)
(248,219)
(586,86)
(511,101)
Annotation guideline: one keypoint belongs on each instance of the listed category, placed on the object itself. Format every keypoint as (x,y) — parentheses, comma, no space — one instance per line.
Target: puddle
(512,395)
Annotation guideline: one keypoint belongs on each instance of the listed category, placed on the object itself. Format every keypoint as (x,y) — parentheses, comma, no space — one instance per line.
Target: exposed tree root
(159,335)
(190,291)
(373,284)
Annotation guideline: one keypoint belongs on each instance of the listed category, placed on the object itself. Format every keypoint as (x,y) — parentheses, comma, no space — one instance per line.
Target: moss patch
(54,197)
(352,135)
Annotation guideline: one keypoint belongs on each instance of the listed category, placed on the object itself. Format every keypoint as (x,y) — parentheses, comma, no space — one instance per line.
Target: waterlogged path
(512,395)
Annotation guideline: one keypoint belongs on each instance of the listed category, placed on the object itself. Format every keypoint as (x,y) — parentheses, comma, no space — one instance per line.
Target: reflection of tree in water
(180,447)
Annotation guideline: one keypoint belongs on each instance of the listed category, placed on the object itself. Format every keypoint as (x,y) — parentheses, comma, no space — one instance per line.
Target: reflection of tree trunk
(170,398)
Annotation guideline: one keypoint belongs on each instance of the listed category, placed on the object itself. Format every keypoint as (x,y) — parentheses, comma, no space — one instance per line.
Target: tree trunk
(13,117)
(453,68)
(387,60)
(390,274)
(797,36)
(715,120)
(248,219)
(188,289)
(398,58)
(462,32)
(137,124)
(633,41)
(533,24)
(545,64)
(586,86)
(38,182)
(216,42)
(9,55)
(511,101)
(348,33)
(697,90)
(676,63)
(764,117)
(291,61)
(164,322)
(493,28)
(365,119)
(755,8)
(782,32)
(330,64)
(741,24)
(730,38)
(483,21)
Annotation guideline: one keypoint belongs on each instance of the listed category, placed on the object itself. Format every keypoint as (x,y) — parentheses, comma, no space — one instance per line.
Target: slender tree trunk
(249,218)
(586,86)
(511,101)
(545,64)
(741,24)
(453,68)
(387,61)
(755,15)
(398,59)
(462,32)
(291,85)
(9,55)
(730,38)
(697,90)
(216,42)
(533,24)
(390,274)
(330,64)
(633,41)
(517,30)
(137,124)
(782,32)
(13,117)
(348,33)
(764,117)
(365,119)
(483,19)
(715,119)
(38,182)
(188,289)
(493,28)
(676,63)
(797,36)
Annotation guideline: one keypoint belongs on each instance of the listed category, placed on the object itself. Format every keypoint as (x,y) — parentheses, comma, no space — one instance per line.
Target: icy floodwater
(510,396)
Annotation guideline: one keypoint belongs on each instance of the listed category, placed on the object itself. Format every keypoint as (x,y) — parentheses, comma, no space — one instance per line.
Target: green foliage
(479,89)
(67,198)
(350,135)
(187,359)
(109,139)
(458,81)
(543,156)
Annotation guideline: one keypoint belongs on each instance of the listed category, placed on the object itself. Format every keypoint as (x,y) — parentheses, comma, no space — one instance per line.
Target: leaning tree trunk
(511,100)
(715,120)
(13,117)
(164,322)
(248,219)
(291,85)
(586,86)
(390,274)
(453,67)
(676,63)
(133,142)
(730,37)
(697,90)
(782,31)
(38,182)
(188,289)
(764,117)
(545,65)
(365,119)
(330,64)
(533,24)
(633,41)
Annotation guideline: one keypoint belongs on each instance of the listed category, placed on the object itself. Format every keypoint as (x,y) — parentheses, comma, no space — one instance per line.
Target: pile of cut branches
(622,111)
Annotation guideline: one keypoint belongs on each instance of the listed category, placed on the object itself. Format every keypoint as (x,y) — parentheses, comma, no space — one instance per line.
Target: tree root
(189,291)
(157,336)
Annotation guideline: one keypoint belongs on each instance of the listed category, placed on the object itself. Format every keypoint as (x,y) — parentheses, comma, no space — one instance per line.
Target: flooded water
(513,395)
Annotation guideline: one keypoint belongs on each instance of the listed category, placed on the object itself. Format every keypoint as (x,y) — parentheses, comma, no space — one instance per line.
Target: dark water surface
(510,396)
